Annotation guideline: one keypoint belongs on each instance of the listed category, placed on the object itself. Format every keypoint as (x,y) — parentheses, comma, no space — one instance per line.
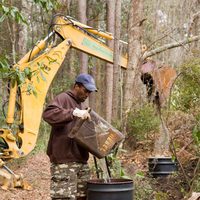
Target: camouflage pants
(69,180)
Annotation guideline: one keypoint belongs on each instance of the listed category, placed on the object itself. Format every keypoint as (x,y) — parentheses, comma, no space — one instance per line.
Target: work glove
(83,114)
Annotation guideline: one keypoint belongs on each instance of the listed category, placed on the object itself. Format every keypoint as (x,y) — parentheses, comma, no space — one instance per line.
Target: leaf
(2,65)
(2,18)
(140,174)
(173,158)
(125,177)
(5,9)
(31,90)
(27,71)
(20,78)
(12,12)
(20,18)
(196,133)
(122,172)
(47,4)
(23,19)
(34,92)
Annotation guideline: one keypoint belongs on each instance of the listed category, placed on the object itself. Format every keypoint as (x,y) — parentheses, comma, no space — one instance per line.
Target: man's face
(82,93)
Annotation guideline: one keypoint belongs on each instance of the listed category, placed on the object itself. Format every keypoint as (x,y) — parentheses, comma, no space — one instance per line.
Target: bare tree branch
(170,46)
(191,23)
(160,38)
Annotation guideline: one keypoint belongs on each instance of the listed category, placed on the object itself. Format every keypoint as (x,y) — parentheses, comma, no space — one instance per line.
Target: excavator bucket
(9,180)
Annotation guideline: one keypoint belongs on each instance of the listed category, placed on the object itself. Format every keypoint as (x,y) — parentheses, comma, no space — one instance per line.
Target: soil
(35,170)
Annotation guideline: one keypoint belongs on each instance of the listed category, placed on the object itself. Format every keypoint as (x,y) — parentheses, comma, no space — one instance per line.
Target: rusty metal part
(158,81)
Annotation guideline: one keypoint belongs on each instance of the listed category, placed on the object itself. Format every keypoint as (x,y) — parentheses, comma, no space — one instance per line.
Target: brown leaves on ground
(35,168)
(180,126)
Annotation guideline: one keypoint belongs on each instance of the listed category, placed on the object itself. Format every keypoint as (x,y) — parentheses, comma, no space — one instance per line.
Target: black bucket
(115,189)
(162,166)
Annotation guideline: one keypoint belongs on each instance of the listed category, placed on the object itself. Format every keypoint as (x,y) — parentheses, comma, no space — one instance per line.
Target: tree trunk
(64,7)
(109,67)
(134,54)
(93,99)
(23,33)
(116,80)
(82,8)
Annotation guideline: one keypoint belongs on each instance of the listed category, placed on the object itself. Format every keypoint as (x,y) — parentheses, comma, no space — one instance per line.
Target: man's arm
(58,112)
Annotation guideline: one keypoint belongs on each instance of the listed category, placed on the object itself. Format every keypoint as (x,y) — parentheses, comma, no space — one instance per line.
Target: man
(69,168)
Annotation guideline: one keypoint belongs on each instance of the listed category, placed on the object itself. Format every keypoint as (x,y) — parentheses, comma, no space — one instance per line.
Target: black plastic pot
(115,189)
(162,166)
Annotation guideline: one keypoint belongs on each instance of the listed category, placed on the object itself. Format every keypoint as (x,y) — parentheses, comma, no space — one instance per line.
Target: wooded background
(165,31)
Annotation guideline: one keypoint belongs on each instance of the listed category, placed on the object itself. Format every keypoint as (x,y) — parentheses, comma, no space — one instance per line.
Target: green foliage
(161,196)
(14,74)
(196,130)
(196,134)
(141,121)
(186,91)
(186,97)
(4,66)
(117,171)
(11,12)
(142,187)
(47,4)
(196,184)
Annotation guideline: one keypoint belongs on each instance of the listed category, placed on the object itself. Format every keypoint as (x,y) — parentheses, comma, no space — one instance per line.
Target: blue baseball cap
(87,81)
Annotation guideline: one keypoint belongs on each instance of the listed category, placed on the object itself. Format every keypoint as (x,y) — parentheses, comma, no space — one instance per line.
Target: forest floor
(35,169)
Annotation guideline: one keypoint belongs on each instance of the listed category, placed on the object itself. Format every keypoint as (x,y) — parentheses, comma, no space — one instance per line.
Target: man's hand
(83,114)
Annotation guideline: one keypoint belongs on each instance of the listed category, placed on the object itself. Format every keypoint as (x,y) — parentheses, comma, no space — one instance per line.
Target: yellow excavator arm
(15,144)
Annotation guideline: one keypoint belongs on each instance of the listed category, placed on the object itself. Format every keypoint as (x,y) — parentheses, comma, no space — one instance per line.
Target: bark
(95,70)
(134,54)
(109,67)
(82,8)
(23,33)
(65,7)
(134,51)
(116,80)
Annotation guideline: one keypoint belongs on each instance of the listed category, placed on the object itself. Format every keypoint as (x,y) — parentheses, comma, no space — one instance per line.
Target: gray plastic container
(116,189)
